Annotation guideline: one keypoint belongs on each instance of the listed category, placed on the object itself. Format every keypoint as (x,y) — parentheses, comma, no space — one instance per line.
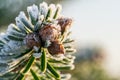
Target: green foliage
(34,75)
(43,61)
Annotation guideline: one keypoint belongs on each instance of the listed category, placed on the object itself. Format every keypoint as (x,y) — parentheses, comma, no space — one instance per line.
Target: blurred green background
(93,21)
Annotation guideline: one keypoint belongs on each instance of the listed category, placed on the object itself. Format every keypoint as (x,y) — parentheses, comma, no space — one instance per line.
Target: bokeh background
(96,30)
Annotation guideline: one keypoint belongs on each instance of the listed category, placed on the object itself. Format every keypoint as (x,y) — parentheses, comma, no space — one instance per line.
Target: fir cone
(64,23)
(56,48)
(49,32)
(32,40)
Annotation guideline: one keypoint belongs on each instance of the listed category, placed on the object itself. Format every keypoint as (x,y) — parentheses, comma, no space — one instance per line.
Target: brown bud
(64,23)
(56,48)
(32,40)
(49,32)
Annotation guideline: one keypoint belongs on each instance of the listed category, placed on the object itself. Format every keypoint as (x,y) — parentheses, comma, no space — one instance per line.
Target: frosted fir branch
(37,46)
(33,13)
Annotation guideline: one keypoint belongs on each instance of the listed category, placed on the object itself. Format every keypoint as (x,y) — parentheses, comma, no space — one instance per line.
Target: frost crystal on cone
(49,32)
(35,45)
(32,40)
(65,23)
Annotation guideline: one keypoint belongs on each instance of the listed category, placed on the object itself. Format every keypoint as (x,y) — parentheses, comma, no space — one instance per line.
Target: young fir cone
(56,48)
(32,40)
(49,32)
(64,23)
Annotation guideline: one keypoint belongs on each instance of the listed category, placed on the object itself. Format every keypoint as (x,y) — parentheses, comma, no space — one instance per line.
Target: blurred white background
(97,22)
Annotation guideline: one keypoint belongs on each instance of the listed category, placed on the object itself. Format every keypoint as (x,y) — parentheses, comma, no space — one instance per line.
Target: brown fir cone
(56,48)
(49,32)
(64,23)
(32,40)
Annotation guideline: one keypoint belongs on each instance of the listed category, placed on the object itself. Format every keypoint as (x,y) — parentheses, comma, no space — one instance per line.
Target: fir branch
(37,47)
